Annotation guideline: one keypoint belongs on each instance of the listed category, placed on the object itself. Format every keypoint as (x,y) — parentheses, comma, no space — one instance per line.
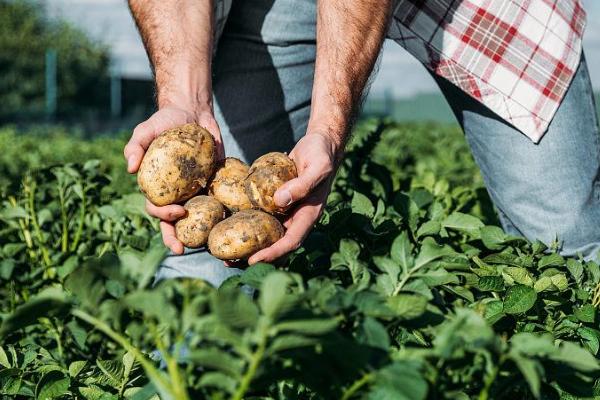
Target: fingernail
(283,198)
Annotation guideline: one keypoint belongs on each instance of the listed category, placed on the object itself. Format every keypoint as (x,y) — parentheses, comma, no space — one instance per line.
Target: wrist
(334,130)
(334,144)
(185,88)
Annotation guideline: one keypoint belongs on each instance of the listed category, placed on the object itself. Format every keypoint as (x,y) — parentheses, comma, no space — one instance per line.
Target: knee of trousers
(572,221)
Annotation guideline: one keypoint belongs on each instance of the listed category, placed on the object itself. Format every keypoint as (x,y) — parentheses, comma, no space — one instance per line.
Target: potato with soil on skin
(267,174)
(243,234)
(227,186)
(178,163)
(203,213)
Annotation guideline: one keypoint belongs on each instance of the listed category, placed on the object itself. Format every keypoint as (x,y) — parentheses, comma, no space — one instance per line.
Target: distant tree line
(83,82)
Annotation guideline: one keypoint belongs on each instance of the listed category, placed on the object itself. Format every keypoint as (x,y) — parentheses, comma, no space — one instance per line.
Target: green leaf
(255,274)
(429,228)
(216,359)
(431,251)
(274,298)
(10,381)
(401,251)
(348,258)
(438,277)
(389,266)
(560,281)
(234,308)
(79,333)
(4,359)
(553,259)
(52,385)
(218,380)
(402,380)
(51,301)
(373,333)
(494,311)
(463,223)
(362,205)
(519,275)
(112,370)
(519,299)
(128,364)
(586,313)
(288,342)
(492,237)
(544,283)
(407,306)
(152,304)
(575,269)
(307,326)
(576,357)
(590,337)
(532,371)
(491,283)
(76,367)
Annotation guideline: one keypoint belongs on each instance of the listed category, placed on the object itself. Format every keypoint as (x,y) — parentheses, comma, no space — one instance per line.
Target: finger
(169,239)
(208,121)
(142,136)
(300,187)
(171,212)
(302,222)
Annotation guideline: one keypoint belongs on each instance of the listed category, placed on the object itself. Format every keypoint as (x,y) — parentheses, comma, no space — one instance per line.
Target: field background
(407,288)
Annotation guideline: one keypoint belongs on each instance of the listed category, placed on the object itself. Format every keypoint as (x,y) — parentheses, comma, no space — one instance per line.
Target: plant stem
(36,226)
(357,385)
(405,279)
(177,381)
(63,217)
(153,373)
(79,231)
(489,380)
(255,360)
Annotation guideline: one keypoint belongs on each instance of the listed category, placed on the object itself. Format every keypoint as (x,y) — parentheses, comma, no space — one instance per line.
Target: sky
(399,73)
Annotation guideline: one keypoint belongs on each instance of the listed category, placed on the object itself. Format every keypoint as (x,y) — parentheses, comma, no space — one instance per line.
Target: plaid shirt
(515,57)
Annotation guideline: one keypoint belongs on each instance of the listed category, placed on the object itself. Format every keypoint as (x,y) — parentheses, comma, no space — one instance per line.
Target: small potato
(227,186)
(243,234)
(267,174)
(177,164)
(203,213)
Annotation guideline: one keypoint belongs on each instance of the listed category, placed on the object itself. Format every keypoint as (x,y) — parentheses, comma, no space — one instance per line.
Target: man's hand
(143,135)
(315,156)
(178,36)
(349,37)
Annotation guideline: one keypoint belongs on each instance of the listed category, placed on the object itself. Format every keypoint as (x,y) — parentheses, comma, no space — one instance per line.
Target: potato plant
(407,289)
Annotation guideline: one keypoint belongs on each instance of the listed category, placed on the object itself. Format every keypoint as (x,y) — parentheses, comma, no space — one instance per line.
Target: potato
(203,213)
(243,234)
(227,186)
(177,164)
(267,174)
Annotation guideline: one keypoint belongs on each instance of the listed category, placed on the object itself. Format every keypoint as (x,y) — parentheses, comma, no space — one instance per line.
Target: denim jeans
(263,75)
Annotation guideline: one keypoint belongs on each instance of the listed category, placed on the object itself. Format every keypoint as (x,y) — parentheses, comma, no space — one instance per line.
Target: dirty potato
(266,175)
(227,186)
(243,234)
(177,164)
(202,214)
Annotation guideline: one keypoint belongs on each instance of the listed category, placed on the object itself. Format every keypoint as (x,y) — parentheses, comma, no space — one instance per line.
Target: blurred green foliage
(25,35)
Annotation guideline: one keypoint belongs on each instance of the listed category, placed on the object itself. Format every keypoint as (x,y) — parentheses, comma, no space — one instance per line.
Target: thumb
(300,187)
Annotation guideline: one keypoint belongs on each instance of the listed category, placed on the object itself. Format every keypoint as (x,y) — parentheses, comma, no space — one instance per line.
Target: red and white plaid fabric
(515,57)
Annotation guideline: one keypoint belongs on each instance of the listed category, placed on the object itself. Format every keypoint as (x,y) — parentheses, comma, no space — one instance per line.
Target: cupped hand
(143,135)
(315,158)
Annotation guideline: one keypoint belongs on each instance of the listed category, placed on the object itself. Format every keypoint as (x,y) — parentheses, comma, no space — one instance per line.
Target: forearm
(178,36)
(349,37)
